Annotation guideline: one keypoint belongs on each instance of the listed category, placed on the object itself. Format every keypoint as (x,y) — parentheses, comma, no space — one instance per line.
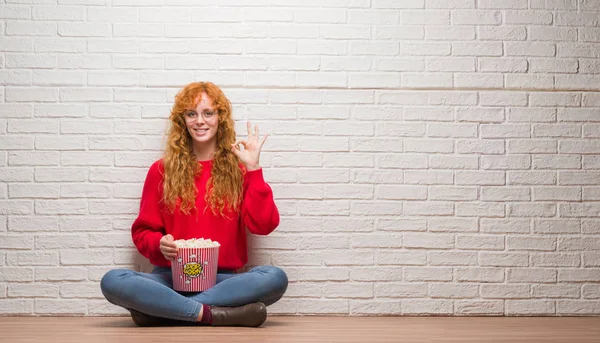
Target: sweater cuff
(255,176)
(154,242)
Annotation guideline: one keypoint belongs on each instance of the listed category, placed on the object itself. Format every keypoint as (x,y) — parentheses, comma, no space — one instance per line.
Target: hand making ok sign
(251,152)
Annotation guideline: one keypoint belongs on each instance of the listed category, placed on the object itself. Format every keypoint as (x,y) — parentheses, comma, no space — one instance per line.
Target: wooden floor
(309,329)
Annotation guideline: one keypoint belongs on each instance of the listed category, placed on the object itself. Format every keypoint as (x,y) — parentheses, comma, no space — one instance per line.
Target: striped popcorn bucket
(195,269)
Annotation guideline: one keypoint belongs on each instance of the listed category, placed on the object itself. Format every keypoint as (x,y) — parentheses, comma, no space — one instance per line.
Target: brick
(476,274)
(587,50)
(466,17)
(464,177)
(16,306)
(528,275)
(374,80)
(530,81)
(505,194)
(477,48)
(40,191)
(424,17)
(480,242)
(557,34)
(528,17)
(55,306)
(502,33)
(35,290)
(32,258)
(19,207)
(503,259)
(478,307)
(428,240)
(556,162)
(323,306)
(427,307)
(557,193)
(487,80)
(366,307)
(505,162)
(477,209)
(555,291)
(425,80)
(421,177)
(591,291)
(531,210)
(452,193)
(529,307)
(428,114)
(452,162)
(531,243)
(448,33)
(530,49)
(371,208)
(402,224)
(505,291)
(506,65)
(450,64)
(398,4)
(449,4)
(333,16)
(563,18)
(576,307)
(80,290)
(453,291)
(531,178)
(574,82)
(452,259)
(304,289)
(427,274)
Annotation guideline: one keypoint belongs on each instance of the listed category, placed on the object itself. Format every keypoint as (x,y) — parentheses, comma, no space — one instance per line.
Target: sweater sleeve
(148,228)
(259,212)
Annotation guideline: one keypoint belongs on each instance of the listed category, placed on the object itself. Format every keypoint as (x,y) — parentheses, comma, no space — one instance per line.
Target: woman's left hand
(251,152)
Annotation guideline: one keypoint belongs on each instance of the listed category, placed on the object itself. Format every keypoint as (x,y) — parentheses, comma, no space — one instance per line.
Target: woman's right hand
(168,247)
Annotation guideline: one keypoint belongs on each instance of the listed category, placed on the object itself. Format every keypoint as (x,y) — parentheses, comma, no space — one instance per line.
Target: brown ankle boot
(253,315)
(144,320)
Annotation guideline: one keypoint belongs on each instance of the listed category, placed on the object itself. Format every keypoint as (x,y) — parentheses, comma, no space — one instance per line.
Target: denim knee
(279,279)
(277,283)
(110,282)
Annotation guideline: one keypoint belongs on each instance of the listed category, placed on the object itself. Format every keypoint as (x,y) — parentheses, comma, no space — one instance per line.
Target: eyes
(191,115)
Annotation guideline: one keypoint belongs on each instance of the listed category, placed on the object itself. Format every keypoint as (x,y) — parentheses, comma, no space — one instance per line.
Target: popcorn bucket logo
(193,269)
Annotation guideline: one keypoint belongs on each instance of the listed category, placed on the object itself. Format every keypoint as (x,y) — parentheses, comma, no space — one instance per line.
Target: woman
(204,187)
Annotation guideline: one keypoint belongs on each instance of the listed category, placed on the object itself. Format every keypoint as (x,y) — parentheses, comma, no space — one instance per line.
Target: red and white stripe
(208,258)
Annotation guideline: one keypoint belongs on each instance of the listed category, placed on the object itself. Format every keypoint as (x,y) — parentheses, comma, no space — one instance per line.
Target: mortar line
(547,90)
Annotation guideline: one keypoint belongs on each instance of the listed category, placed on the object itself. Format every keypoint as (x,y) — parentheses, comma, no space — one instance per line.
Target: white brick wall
(429,157)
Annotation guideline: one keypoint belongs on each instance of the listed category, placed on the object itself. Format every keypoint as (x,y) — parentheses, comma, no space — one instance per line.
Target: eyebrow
(193,110)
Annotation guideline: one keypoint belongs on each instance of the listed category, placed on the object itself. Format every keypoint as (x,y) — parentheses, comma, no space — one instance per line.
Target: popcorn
(196,243)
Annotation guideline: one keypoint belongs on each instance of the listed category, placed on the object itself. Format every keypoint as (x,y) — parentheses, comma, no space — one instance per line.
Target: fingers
(168,251)
(168,247)
(249,128)
(235,147)
(262,141)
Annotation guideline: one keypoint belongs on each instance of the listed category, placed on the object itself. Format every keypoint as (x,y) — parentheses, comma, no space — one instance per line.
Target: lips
(200,131)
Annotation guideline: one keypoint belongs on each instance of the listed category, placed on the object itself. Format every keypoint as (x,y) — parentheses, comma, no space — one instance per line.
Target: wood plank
(308,329)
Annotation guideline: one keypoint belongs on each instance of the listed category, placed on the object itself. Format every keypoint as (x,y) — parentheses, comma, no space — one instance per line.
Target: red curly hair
(224,187)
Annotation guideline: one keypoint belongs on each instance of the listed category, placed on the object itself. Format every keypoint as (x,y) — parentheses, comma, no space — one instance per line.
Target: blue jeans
(153,293)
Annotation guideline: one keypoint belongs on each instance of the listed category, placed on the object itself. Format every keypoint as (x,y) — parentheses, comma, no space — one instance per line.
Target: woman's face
(203,121)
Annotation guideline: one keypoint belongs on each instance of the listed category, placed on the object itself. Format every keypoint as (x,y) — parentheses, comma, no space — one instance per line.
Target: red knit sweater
(258,213)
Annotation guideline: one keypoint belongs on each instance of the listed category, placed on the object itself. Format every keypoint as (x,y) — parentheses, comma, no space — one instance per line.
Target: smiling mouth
(200,130)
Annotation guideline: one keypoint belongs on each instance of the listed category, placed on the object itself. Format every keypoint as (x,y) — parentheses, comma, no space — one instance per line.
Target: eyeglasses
(191,116)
